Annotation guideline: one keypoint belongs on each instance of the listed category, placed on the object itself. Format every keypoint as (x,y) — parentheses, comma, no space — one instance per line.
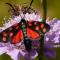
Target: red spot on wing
(32,34)
(44,30)
(37,28)
(4,34)
(29,23)
(42,25)
(11,34)
(18,37)
(4,39)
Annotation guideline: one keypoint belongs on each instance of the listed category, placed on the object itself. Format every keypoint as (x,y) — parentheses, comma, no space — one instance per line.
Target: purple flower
(49,50)
(54,33)
(17,51)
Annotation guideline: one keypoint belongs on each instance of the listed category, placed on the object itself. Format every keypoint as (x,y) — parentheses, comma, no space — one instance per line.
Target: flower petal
(13,54)
(50,53)
(31,55)
(2,50)
(34,54)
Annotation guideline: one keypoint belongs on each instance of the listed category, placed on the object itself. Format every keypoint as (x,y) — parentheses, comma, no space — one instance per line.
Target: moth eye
(37,28)
(11,34)
(4,38)
(44,30)
(42,25)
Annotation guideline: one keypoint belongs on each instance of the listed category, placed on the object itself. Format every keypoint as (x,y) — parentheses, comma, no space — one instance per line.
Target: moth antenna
(30,5)
(15,12)
(27,10)
(10,6)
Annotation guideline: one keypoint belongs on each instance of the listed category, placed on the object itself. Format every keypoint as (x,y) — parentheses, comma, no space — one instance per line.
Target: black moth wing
(38,26)
(5,34)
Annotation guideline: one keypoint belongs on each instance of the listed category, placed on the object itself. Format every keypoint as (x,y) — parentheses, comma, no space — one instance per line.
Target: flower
(54,33)
(15,51)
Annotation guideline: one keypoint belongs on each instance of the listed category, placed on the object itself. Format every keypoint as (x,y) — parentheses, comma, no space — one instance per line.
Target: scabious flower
(54,33)
(51,38)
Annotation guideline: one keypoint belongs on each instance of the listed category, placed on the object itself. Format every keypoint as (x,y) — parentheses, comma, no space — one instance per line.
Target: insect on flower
(24,34)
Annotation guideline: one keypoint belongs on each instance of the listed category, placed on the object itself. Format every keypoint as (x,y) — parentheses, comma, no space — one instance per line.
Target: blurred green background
(53,10)
(53,7)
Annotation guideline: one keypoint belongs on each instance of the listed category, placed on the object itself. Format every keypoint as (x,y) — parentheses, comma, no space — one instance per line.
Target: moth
(15,33)
(24,30)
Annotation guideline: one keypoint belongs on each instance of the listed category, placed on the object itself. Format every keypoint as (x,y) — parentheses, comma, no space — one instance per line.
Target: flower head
(15,51)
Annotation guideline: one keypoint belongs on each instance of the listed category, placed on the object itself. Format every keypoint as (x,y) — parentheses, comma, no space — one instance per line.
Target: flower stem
(41,48)
(44,3)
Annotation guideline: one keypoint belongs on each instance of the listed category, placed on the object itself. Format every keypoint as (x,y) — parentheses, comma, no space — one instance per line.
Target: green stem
(41,48)
(44,3)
